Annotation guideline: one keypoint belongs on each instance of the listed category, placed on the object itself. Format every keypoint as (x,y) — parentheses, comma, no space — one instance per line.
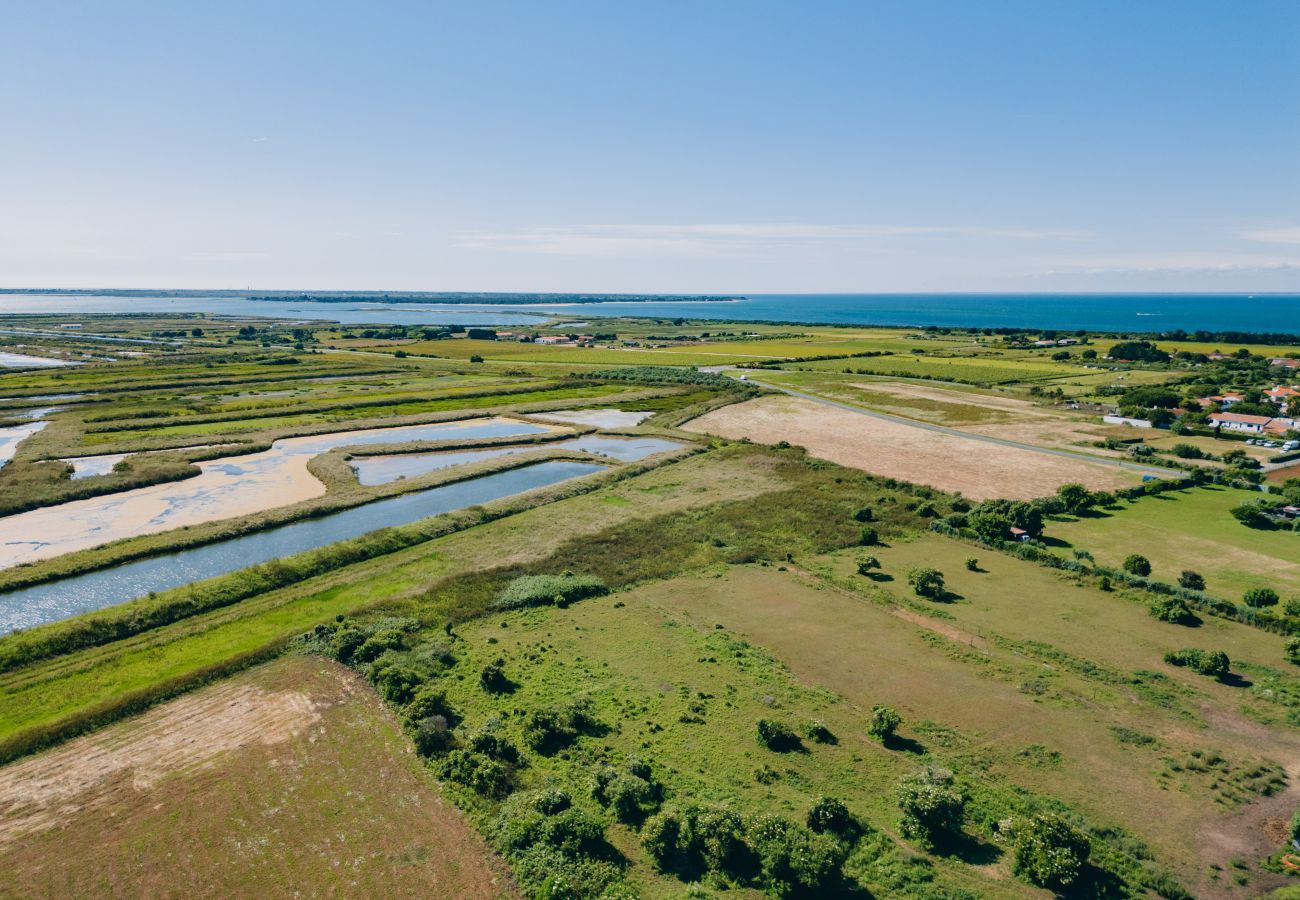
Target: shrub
(972,564)
(864,514)
(1251,515)
(432,736)
(830,816)
(378,643)
(1191,580)
(493,677)
(548,730)
(1136,564)
(932,808)
(926,582)
(1292,606)
(1292,651)
(542,590)
(630,798)
(1172,609)
(346,643)
(818,732)
(428,701)
(495,745)
(397,684)
(1258,597)
(1047,850)
(481,774)
(867,564)
(719,835)
(869,537)
(665,839)
(792,860)
(777,736)
(884,722)
(1214,663)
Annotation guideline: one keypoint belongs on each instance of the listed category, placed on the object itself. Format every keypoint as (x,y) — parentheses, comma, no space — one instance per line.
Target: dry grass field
(977,469)
(291,779)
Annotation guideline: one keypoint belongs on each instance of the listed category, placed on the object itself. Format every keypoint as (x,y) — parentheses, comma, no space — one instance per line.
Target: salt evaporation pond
(225,488)
(14,435)
(597,418)
(43,603)
(383,469)
(22,361)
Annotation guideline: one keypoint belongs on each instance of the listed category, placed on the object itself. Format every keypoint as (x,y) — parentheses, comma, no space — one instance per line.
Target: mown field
(1194,530)
(330,800)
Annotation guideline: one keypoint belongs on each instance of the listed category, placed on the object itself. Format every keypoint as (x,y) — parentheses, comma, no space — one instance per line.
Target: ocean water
(1097,312)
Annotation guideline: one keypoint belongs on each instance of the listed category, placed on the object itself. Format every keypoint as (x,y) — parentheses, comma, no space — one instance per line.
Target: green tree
(1047,851)
(1259,597)
(1136,564)
(1191,580)
(1074,498)
(884,722)
(867,564)
(932,807)
(926,582)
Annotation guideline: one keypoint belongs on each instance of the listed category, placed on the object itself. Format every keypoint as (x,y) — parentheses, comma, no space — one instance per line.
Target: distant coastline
(441,298)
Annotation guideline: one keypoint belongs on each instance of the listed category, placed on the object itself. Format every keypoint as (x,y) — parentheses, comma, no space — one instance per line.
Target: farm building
(1239,422)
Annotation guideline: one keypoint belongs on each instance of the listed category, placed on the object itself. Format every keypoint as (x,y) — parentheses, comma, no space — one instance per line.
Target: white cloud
(1284,235)
(734,239)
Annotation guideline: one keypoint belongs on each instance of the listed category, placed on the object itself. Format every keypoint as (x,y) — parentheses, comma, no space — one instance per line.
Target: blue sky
(665,146)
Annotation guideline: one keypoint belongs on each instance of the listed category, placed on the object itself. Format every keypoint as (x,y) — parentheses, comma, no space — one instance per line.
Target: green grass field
(1191,529)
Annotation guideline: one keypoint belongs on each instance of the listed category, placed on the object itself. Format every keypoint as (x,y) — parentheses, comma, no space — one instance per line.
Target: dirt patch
(292,778)
(183,736)
(978,469)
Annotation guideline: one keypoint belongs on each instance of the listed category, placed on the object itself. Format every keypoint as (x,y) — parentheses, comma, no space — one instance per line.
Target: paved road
(988,439)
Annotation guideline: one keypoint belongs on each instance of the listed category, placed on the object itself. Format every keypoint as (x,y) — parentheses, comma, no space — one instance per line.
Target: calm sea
(1098,312)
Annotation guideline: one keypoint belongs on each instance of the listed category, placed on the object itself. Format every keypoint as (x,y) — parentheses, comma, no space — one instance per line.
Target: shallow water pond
(42,603)
(383,469)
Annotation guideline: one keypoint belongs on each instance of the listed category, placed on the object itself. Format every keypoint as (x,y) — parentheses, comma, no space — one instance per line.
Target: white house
(1239,422)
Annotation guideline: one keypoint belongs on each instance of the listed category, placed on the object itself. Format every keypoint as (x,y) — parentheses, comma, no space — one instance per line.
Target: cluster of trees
(655,375)
(993,520)
(1138,351)
(784,858)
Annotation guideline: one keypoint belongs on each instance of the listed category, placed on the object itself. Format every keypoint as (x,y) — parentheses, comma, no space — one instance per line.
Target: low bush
(777,736)
(1136,564)
(1047,850)
(933,809)
(1172,609)
(884,722)
(481,774)
(1214,663)
(830,816)
(1258,597)
(543,590)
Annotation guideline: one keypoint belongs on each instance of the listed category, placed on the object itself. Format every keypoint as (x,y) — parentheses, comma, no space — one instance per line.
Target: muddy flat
(292,778)
(978,469)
